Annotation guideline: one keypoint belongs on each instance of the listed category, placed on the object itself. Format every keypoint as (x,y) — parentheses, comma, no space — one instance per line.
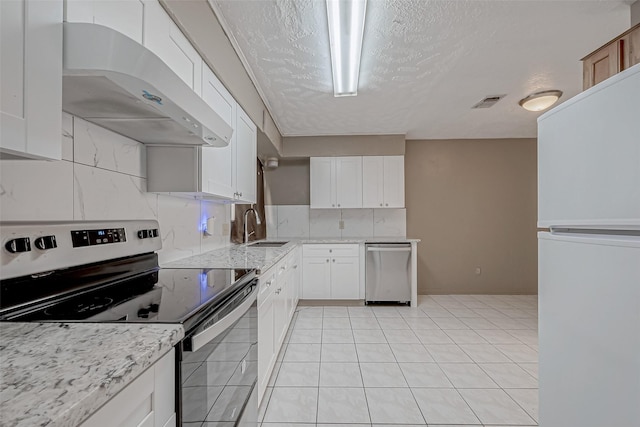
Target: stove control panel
(97,237)
(34,247)
(147,234)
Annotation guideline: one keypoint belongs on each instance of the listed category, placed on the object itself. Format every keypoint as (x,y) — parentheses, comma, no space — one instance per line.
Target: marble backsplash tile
(67,136)
(101,148)
(181,227)
(221,225)
(101,176)
(103,194)
(389,222)
(33,190)
(357,222)
(326,222)
(271,212)
(293,221)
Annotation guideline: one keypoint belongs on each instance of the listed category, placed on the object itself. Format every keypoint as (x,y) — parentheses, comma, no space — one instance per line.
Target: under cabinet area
(278,296)
(31,89)
(331,271)
(148,401)
(206,172)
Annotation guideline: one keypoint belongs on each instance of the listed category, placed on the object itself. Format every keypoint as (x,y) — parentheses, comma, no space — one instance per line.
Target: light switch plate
(341,225)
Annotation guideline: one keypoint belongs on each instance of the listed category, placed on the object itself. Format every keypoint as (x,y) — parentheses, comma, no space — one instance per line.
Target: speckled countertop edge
(249,257)
(58,374)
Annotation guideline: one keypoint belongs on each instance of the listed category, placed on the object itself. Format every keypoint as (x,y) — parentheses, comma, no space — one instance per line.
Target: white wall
(299,221)
(103,177)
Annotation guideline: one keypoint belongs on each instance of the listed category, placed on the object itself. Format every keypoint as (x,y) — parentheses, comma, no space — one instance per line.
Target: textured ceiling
(424,62)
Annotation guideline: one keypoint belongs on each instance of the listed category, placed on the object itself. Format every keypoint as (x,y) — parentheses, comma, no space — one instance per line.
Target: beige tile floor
(464,360)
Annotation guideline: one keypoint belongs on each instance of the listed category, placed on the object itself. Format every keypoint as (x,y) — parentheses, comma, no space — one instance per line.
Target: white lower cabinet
(331,271)
(266,342)
(149,401)
(277,300)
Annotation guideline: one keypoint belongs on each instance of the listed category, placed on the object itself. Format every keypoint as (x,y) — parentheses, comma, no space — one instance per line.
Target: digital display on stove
(97,237)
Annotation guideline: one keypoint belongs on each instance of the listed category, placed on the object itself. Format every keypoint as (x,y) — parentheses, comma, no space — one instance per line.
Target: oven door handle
(202,338)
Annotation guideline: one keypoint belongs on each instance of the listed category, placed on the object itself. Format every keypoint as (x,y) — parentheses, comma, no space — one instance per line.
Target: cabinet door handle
(386,204)
(330,250)
(380,204)
(334,260)
(327,260)
(338,204)
(333,206)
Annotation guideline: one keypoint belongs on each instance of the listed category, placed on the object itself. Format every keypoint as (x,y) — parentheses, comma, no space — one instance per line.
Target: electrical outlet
(341,225)
(478,271)
(225,229)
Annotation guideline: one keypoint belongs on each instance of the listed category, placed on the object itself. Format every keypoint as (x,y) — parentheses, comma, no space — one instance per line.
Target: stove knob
(45,242)
(143,234)
(22,244)
(154,308)
(154,232)
(143,313)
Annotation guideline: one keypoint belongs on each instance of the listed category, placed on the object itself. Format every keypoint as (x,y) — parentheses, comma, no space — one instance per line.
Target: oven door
(218,367)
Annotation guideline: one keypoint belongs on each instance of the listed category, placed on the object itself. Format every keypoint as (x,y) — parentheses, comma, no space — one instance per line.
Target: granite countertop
(236,256)
(57,374)
(246,256)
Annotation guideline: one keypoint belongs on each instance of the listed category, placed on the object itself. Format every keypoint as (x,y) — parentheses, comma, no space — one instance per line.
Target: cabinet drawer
(267,282)
(323,250)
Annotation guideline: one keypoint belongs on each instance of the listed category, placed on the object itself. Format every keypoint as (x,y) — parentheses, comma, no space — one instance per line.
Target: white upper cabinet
(124,16)
(218,171)
(31,85)
(322,178)
(383,182)
(246,139)
(349,182)
(227,173)
(163,37)
(336,182)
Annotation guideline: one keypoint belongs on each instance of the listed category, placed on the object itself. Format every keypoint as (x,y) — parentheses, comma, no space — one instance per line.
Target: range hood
(117,83)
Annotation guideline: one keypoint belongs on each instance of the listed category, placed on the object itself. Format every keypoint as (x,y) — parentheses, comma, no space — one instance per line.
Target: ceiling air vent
(489,101)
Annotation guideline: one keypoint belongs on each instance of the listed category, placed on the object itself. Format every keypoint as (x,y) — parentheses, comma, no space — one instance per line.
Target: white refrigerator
(589,261)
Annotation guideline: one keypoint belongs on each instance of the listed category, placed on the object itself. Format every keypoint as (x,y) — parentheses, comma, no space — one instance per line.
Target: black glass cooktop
(157,296)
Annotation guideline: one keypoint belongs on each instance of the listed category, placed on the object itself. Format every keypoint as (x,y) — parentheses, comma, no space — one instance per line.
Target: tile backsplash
(103,177)
(288,221)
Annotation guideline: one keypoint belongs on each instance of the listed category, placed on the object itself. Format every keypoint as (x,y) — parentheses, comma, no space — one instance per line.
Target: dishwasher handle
(405,249)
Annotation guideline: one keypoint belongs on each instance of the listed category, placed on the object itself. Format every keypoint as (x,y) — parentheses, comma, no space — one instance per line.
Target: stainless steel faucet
(245,235)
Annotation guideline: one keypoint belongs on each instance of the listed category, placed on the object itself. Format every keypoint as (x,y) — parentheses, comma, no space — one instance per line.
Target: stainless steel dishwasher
(388,272)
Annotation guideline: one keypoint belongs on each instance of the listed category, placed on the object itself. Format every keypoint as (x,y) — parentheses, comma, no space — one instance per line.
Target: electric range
(108,272)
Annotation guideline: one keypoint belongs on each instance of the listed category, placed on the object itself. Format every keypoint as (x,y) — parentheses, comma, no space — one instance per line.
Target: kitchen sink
(268,244)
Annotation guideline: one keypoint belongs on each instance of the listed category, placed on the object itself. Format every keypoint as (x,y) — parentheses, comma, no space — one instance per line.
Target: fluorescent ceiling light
(346,28)
(540,100)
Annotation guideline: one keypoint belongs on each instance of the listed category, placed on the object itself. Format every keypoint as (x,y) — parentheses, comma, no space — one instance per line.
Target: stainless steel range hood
(116,83)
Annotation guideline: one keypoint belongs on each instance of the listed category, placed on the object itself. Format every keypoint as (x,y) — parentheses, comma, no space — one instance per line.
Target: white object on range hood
(115,82)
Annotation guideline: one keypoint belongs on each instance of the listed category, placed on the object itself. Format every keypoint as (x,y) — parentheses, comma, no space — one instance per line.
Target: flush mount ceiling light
(346,28)
(540,100)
